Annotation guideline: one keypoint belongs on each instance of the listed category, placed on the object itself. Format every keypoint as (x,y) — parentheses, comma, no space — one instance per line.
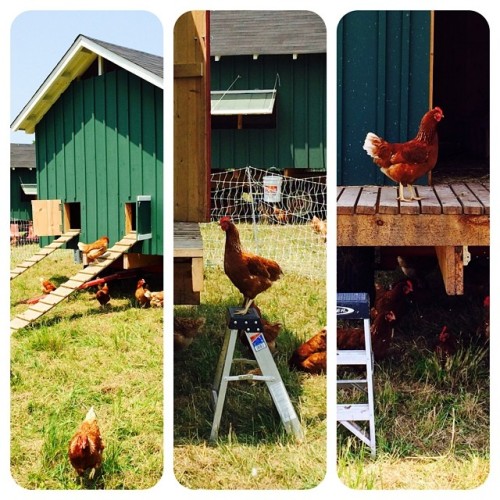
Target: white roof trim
(51,88)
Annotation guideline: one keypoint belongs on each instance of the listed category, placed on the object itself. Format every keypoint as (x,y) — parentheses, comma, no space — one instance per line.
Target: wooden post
(452,268)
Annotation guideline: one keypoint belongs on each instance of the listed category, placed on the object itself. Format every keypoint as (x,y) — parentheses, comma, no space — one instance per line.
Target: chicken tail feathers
(372,141)
(91,415)
(82,246)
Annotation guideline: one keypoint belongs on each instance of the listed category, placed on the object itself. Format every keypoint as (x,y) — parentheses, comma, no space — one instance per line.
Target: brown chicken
(94,250)
(102,294)
(47,286)
(446,346)
(396,299)
(249,273)
(155,298)
(310,356)
(86,446)
(185,331)
(141,295)
(406,162)
(319,226)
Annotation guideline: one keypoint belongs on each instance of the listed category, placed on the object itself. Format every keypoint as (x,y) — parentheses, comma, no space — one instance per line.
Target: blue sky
(39,39)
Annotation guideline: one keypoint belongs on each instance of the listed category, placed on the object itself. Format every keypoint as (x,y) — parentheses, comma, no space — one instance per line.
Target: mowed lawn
(80,355)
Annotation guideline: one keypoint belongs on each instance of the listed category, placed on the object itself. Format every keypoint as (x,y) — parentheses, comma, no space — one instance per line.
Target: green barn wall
(20,204)
(101,145)
(383,82)
(299,139)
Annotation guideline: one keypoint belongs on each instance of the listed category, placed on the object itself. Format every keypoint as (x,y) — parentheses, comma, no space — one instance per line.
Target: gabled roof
(74,63)
(248,32)
(22,156)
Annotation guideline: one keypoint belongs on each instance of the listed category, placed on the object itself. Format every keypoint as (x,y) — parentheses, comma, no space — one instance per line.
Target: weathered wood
(187,240)
(412,230)
(197,274)
(448,217)
(452,268)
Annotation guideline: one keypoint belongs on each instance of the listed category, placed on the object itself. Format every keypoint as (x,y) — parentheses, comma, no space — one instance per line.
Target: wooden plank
(187,240)
(470,203)
(347,201)
(197,274)
(415,230)
(367,202)
(409,207)
(482,194)
(188,70)
(448,199)
(452,268)
(388,203)
(429,204)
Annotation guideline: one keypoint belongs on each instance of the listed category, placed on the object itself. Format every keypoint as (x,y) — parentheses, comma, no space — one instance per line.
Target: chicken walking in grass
(406,162)
(86,446)
(251,274)
(102,295)
(446,346)
(47,286)
(310,356)
(186,330)
(141,295)
(94,250)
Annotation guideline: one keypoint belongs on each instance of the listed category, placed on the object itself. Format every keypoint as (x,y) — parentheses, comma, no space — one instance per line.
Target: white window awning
(29,189)
(242,102)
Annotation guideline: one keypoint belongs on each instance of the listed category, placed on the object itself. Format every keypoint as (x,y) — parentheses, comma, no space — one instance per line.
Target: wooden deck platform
(449,218)
(188,263)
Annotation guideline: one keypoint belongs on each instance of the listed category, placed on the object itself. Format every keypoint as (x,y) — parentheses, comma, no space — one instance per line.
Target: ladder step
(354,412)
(354,382)
(353,357)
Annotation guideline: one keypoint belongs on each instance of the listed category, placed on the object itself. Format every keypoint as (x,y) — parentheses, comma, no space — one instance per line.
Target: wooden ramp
(42,253)
(66,289)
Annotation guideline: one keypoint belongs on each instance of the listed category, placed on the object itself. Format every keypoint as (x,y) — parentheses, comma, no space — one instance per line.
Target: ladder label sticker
(344,310)
(258,341)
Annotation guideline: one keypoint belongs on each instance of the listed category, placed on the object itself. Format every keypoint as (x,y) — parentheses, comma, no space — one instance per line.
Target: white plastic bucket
(272,188)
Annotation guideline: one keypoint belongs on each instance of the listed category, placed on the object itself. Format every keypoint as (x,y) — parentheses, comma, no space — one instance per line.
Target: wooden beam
(452,268)
(413,230)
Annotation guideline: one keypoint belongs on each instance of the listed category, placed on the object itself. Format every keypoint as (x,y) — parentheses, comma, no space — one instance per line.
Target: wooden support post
(451,262)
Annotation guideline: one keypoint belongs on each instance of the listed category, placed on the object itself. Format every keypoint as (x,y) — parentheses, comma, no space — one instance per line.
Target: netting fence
(23,241)
(278,216)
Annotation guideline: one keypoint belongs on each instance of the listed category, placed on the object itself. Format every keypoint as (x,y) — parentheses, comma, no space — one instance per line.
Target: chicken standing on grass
(47,286)
(251,274)
(185,331)
(141,296)
(86,446)
(406,162)
(446,346)
(102,294)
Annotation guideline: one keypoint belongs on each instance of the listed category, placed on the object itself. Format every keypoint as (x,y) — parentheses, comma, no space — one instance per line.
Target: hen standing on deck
(405,162)
(249,273)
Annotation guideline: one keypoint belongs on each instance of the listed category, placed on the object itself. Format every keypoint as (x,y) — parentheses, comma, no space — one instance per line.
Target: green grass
(253,450)
(432,421)
(80,355)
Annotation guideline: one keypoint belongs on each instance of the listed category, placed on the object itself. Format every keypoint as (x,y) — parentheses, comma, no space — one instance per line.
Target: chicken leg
(413,196)
(248,303)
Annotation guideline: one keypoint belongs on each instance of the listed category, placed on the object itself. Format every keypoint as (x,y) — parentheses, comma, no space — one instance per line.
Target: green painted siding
(101,145)
(383,64)
(299,139)
(20,204)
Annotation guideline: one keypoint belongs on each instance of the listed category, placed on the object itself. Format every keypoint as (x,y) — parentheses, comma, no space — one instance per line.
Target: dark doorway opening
(461,87)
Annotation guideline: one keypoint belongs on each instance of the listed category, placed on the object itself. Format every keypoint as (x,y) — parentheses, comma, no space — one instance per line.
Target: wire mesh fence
(278,216)
(23,241)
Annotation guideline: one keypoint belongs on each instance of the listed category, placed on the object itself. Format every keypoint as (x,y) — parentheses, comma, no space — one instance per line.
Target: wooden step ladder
(48,302)
(42,253)
(251,325)
(357,306)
